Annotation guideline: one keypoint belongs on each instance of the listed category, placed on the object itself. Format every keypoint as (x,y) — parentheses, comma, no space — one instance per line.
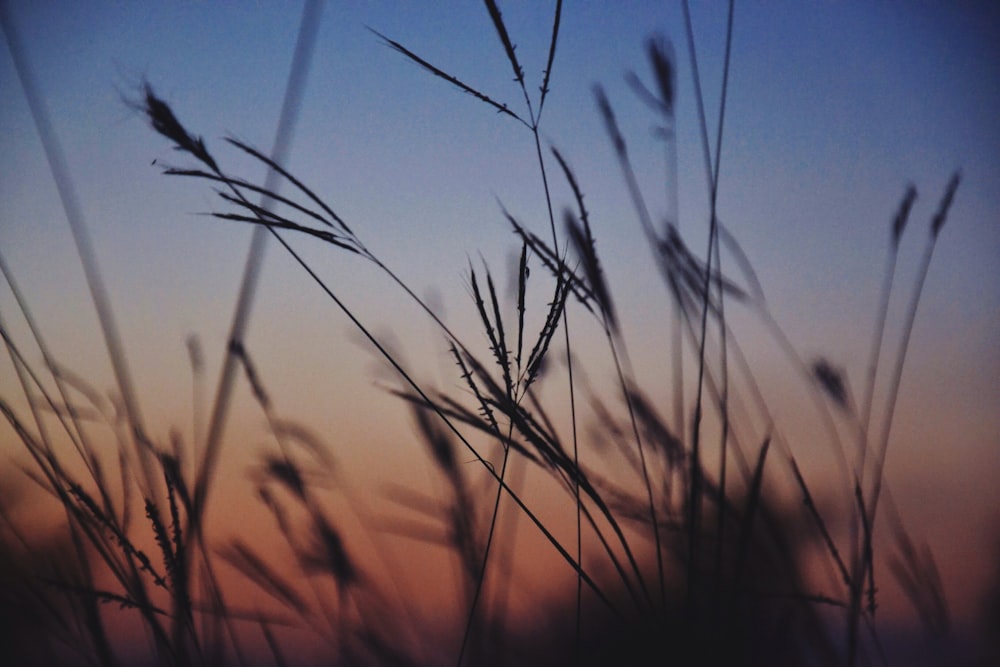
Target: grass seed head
(942,213)
(899,223)
(831,380)
(163,120)
(661,56)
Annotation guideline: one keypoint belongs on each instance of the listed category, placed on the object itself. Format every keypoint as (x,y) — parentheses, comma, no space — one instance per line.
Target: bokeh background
(833,108)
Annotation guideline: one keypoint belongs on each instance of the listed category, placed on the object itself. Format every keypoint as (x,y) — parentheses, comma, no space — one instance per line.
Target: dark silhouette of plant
(686,559)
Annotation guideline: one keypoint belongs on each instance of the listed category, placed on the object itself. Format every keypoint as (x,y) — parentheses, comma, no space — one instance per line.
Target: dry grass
(674,557)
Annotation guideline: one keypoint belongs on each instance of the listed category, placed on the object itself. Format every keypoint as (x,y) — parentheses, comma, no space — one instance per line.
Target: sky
(832,109)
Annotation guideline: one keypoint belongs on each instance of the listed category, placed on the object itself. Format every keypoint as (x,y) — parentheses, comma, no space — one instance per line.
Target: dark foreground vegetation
(680,557)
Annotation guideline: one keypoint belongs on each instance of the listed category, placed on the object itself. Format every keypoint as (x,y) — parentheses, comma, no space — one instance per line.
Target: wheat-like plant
(675,558)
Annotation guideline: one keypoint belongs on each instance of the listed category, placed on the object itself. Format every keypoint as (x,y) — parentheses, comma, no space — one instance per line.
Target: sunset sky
(833,108)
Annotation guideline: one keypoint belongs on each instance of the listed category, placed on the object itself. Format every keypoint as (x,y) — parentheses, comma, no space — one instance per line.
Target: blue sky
(833,108)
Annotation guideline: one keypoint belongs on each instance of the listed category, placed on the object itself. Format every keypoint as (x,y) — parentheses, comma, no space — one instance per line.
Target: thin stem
(694,500)
(248,285)
(408,379)
(84,246)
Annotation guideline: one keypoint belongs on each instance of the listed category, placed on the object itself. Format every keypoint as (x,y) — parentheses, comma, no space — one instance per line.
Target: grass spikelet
(508,46)
(176,486)
(331,556)
(440,443)
(163,540)
(196,356)
(498,343)
(537,356)
(501,108)
(903,214)
(522,289)
(583,243)
(484,406)
(120,538)
(555,264)
(831,380)
(286,473)
(610,122)
(661,57)
(163,120)
(942,213)
(502,353)
(556,20)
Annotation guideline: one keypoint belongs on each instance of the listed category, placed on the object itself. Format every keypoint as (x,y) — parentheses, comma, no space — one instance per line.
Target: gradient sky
(833,108)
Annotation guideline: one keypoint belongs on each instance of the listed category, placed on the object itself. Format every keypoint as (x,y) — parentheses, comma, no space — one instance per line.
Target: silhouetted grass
(684,561)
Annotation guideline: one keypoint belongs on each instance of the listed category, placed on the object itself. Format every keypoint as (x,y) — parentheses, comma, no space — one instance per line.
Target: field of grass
(679,518)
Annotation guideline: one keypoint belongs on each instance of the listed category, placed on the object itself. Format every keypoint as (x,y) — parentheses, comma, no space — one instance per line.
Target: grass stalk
(871,506)
(712,167)
(59,169)
(721,601)
(289,110)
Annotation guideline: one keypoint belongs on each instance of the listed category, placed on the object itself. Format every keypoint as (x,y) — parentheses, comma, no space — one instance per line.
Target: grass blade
(501,108)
